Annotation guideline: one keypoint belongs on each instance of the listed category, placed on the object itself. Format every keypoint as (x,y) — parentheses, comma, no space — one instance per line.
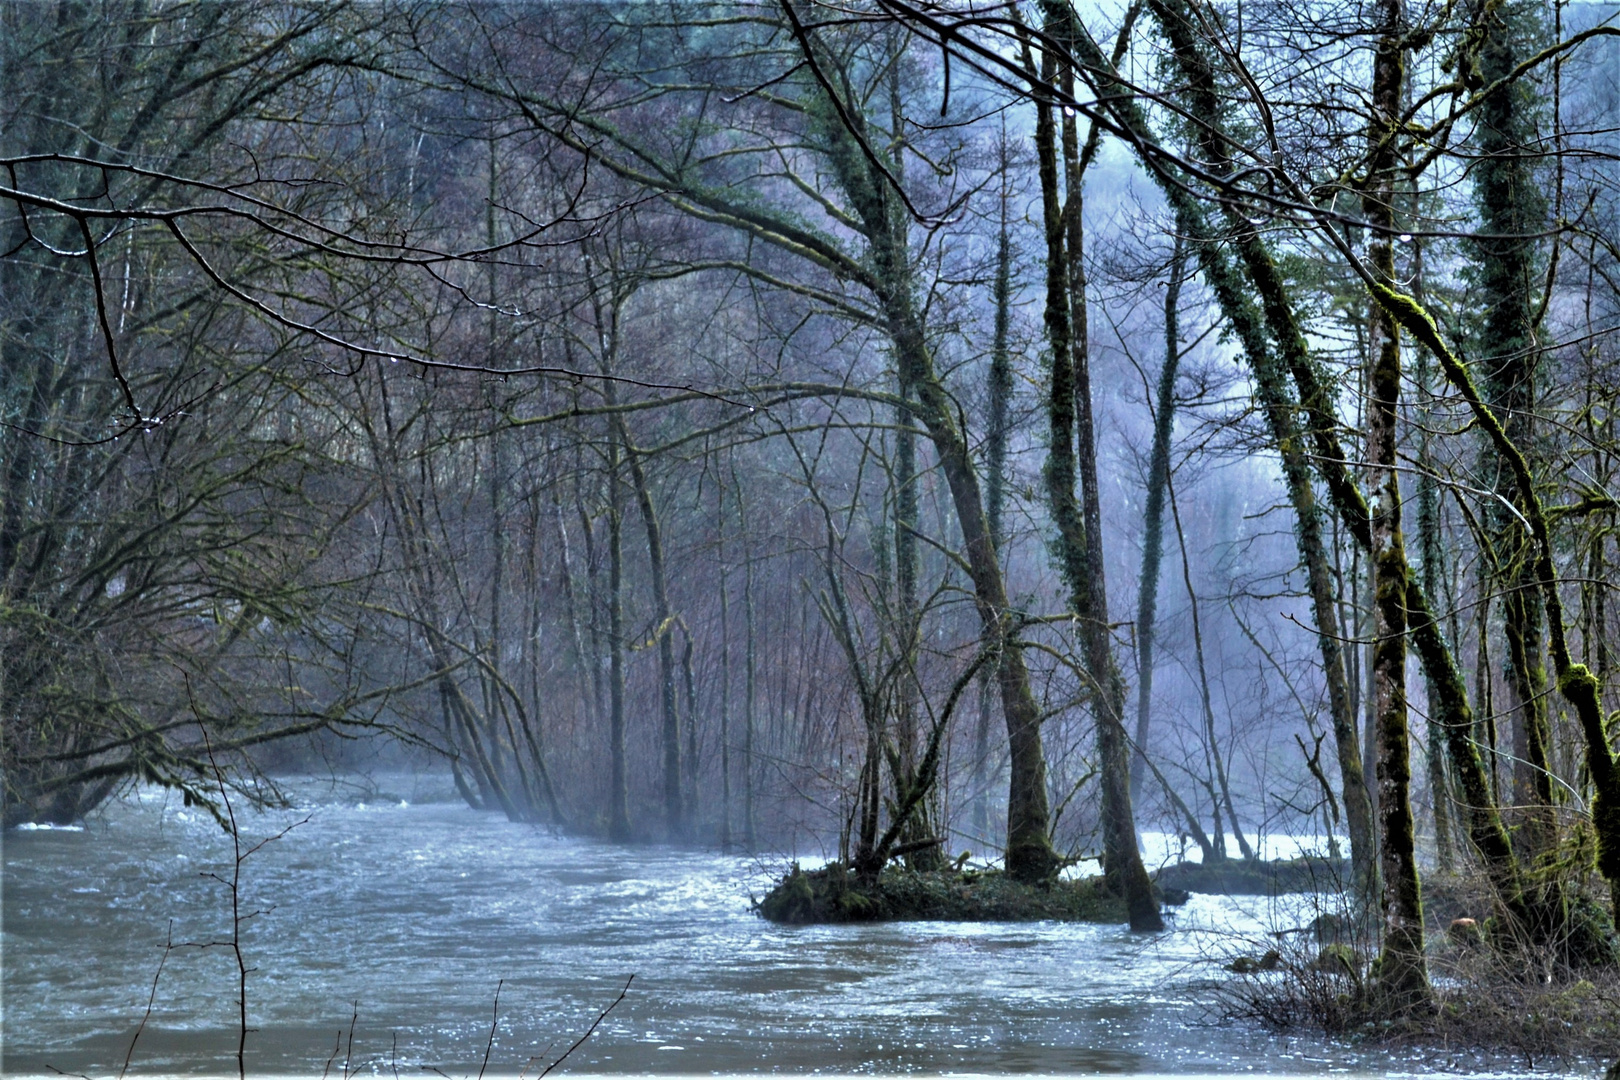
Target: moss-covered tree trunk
(1236,298)
(1403,979)
(1579,688)
(1577,684)
(995,481)
(1512,209)
(1270,371)
(1122,856)
(1158,479)
(1029,856)
(618,794)
(1079,542)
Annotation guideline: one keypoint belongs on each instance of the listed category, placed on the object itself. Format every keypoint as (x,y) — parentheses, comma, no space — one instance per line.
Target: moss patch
(833,895)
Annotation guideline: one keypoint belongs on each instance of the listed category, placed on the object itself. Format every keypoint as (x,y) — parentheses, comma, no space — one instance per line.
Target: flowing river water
(387,925)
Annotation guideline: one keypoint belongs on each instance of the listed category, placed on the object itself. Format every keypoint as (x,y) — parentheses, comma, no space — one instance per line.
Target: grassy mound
(833,895)
(1256,877)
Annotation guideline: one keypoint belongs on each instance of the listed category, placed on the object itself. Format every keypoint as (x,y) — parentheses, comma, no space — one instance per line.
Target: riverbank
(1256,877)
(832,894)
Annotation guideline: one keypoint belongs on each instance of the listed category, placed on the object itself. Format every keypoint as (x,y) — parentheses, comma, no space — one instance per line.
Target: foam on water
(401,916)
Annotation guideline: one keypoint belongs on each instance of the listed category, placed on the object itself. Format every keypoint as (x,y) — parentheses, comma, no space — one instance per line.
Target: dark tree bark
(750,669)
(1079,540)
(1000,395)
(1403,978)
(618,772)
(1271,386)
(1512,210)
(1428,513)
(1158,479)
(664,630)
(1030,856)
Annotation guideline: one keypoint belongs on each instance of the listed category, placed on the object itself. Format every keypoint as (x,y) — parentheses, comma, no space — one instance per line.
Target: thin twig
(168,947)
(348,1055)
(581,1041)
(494,1020)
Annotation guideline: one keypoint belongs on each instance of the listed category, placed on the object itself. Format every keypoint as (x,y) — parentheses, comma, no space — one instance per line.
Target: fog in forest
(880,537)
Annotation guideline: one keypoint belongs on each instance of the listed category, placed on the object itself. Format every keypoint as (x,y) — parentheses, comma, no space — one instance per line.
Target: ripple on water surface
(410,912)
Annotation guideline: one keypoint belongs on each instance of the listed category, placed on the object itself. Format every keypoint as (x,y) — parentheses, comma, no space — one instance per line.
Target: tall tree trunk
(995,482)
(689,760)
(920,827)
(749,667)
(674,803)
(587,659)
(1577,684)
(1235,298)
(725,665)
(1079,542)
(1271,389)
(1429,546)
(607,323)
(1403,975)
(1153,515)
(1122,857)
(593,590)
(618,772)
(905,774)
(1513,209)
(1030,856)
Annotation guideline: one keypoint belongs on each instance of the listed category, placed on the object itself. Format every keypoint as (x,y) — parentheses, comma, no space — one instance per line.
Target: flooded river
(387,924)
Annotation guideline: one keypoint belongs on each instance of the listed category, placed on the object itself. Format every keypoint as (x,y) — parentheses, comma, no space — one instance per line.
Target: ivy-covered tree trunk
(1403,979)
(1512,209)
(1158,480)
(1577,684)
(995,483)
(1271,378)
(1029,856)
(1079,543)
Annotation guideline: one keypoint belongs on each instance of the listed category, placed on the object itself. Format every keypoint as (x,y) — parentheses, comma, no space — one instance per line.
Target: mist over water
(407,914)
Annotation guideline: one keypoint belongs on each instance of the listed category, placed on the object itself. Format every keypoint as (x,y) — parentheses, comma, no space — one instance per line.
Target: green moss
(1410,314)
(792,901)
(1248,965)
(1576,678)
(1338,960)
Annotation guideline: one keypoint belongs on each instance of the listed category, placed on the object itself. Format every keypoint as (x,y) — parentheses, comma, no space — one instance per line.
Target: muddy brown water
(388,922)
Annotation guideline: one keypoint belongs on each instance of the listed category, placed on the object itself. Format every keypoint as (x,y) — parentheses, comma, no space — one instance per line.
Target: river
(388,922)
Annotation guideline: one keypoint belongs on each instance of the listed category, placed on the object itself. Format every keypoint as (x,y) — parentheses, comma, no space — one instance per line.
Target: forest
(1106,435)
